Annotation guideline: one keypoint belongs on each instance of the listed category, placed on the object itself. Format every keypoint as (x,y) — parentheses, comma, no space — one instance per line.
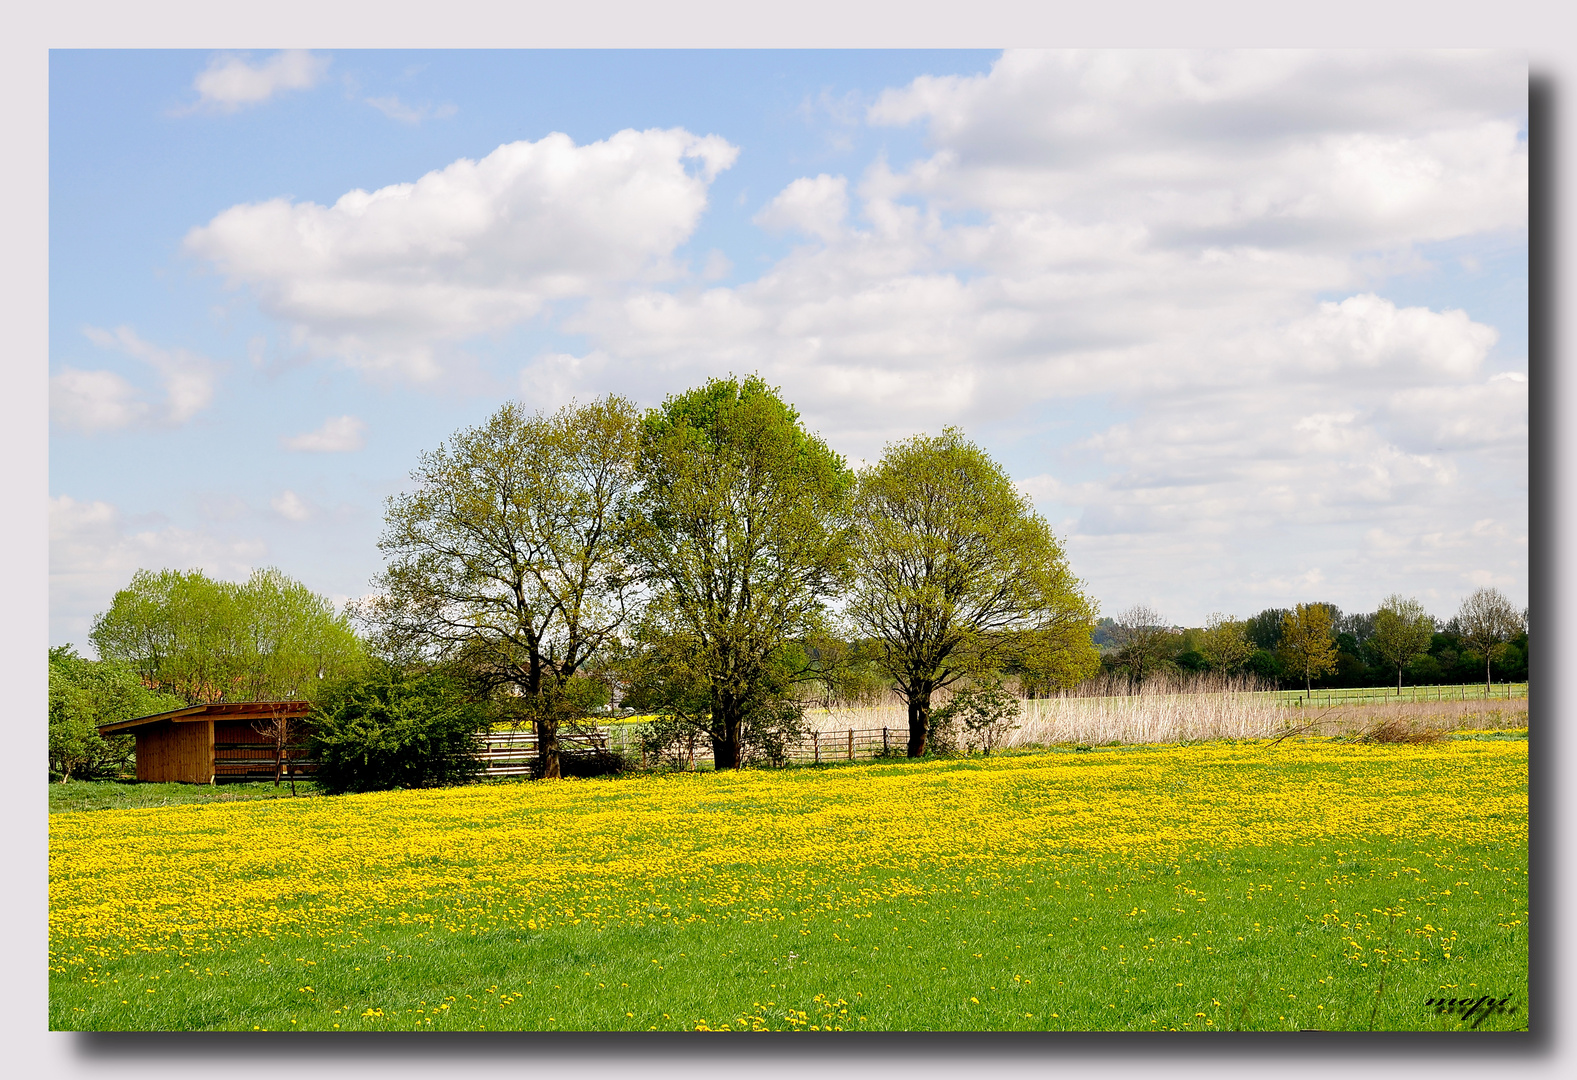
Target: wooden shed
(204,743)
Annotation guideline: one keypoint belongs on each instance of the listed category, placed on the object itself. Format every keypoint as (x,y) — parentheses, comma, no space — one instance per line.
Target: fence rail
(1370,695)
(514,753)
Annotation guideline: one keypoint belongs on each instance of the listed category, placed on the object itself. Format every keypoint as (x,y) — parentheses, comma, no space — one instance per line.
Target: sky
(1249,328)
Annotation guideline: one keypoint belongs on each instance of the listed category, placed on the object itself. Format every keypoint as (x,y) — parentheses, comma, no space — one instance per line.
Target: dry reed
(1176,711)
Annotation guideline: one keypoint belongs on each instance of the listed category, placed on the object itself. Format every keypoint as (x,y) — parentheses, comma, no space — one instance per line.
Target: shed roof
(217,710)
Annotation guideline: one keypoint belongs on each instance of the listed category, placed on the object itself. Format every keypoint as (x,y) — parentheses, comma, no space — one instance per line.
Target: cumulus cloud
(383,278)
(1181,257)
(813,205)
(95,401)
(337,435)
(232,81)
(1321,149)
(94,549)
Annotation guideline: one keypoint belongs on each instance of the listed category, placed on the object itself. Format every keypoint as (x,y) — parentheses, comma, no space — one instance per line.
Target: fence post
(885,747)
(851,744)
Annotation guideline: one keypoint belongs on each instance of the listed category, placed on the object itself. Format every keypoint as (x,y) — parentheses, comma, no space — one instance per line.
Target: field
(1305,884)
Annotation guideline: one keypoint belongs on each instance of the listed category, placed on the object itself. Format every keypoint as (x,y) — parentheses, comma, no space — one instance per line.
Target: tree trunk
(1486,674)
(919,718)
(726,751)
(1398,679)
(726,743)
(548,746)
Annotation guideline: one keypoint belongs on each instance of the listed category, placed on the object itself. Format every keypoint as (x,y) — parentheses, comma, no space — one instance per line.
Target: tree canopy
(1225,643)
(84,694)
(183,633)
(1488,622)
(1307,641)
(956,576)
(742,536)
(1141,641)
(1402,630)
(510,554)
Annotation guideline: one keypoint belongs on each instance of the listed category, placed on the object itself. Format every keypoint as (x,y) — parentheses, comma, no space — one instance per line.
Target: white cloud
(94,550)
(812,205)
(1318,149)
(337,435)
(1182,257)
(395,109)
(94,401)
(290,506)
(232,81)
(383,279)
(90,401)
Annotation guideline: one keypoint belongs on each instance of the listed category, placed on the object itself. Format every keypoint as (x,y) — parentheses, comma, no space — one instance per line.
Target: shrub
(84,694)
(986,714)
(393,729)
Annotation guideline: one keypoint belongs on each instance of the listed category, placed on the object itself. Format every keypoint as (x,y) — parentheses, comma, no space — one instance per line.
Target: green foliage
(985,713)
(1264,629)
(1403,630)
(84,694)
(1225,643)
(1308,643)
(957,577)
(509,557)
(1142,643)
(203,640)
(1488,622)
(392,729)
(742,536)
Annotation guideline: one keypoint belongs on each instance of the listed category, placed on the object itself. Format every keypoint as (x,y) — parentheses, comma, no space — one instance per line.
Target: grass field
(1226,885)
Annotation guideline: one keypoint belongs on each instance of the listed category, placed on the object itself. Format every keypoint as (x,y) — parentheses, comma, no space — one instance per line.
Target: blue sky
(1249,327)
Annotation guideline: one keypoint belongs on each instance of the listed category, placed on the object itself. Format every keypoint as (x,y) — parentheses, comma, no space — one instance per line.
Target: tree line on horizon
(1320,646)
(709,561)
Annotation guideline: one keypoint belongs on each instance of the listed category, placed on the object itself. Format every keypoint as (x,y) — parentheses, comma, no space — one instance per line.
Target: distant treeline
(1448,657)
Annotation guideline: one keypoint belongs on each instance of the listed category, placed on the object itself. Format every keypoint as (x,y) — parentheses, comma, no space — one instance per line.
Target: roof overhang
(218,710)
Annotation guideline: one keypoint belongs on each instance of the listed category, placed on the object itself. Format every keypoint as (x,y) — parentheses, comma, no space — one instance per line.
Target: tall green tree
(957,577)
(1488,622)
(1402,631)
(1225,643)
(743,537)
(510,555)
(204,640)
(83,694)
(1308,642)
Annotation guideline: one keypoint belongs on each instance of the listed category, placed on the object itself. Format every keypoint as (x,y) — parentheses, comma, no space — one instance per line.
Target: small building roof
(216,710)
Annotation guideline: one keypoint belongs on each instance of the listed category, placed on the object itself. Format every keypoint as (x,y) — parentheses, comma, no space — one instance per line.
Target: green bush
(393,729)
(986,713)
(84,694)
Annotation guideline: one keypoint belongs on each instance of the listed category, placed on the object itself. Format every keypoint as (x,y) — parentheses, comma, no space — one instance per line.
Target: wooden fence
(1390,695)
(513,753)
(824,746)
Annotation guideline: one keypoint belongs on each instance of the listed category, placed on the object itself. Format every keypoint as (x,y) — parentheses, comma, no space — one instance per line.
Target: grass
(1206,887)
(131,795)
(1375,695)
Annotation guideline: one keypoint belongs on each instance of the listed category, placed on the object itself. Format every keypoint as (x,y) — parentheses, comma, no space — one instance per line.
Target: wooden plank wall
(176,752)
(241,751)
